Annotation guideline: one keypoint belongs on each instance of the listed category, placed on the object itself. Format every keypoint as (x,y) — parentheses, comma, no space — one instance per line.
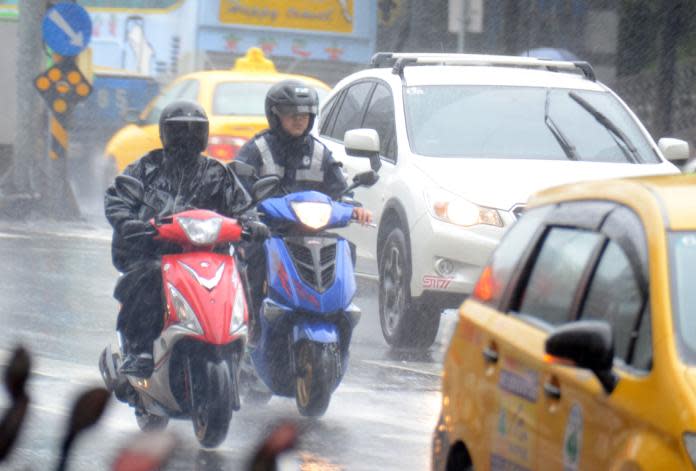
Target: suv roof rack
(399,60)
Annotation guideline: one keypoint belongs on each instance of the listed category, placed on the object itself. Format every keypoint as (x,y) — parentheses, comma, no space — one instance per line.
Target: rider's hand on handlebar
(255,230)
(136,228)
(362,215)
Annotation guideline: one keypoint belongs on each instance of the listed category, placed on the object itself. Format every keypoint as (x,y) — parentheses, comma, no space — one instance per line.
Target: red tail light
(224,147)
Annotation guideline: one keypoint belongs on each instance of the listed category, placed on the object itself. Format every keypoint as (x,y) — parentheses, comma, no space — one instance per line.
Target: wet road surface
(56,300)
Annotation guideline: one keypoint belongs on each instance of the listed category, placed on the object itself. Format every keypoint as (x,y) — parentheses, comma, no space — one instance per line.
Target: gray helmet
(183,127)
(291,97)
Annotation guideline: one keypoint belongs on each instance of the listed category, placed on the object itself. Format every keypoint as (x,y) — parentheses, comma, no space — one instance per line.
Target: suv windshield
(683,272)
(522,123)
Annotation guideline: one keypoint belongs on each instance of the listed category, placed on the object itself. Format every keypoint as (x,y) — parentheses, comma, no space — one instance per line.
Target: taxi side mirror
(587,344)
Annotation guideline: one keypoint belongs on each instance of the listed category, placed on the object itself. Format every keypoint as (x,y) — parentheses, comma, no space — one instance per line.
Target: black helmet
(183,128)
(291,97)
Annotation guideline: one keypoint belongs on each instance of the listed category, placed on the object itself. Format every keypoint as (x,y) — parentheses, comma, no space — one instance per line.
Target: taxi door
(586,424)
(500,404)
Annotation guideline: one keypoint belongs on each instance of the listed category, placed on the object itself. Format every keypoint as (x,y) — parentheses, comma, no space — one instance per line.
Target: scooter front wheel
(317,369)
(212,402)
(150,422)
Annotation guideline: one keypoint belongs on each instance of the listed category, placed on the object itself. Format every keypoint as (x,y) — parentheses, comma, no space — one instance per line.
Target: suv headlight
(312,214)
(201,231)
(451,208)
(184,312)
(690,445)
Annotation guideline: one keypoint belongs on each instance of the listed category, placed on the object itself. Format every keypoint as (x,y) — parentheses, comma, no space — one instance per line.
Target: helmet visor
(185,133)
(288,110)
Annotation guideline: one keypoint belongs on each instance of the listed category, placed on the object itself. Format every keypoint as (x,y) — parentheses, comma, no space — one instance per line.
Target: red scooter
(198,352)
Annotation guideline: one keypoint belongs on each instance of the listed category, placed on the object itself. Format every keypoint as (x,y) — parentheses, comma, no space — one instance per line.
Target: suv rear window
(522,123)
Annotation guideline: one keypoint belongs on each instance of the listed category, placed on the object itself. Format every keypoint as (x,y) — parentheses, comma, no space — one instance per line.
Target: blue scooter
(307,317)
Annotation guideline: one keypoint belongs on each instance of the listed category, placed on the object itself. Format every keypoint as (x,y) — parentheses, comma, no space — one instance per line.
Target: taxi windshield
(683,261)
(523,123)
(240,98)
(245,98)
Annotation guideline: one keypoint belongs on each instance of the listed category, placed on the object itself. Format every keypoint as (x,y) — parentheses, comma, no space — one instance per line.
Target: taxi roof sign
(254,61)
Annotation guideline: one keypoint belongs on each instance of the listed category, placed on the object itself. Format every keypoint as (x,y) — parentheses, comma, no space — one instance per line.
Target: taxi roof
(216,76)
(252,67)
(669,199)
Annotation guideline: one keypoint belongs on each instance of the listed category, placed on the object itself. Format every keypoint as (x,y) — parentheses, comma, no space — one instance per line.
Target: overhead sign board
(67,29)
(313,15)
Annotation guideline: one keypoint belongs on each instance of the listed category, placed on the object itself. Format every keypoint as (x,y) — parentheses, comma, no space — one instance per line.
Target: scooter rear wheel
(212,403)
(316,377)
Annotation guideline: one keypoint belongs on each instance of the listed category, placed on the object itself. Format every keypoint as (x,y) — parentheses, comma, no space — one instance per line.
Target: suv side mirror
(587,344)
(674,149)
(363,143)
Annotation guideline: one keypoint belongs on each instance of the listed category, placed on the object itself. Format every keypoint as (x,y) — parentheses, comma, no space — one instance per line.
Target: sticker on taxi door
(572,441)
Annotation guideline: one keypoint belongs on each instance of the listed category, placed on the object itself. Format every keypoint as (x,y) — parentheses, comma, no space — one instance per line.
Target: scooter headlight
(238,309)
(201,231)
(312,214)
(184,312)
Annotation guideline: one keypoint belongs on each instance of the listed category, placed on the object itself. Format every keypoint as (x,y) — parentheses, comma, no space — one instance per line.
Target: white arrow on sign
(76,39)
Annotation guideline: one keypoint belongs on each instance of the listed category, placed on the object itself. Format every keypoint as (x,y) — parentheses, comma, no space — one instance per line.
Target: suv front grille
(315,262)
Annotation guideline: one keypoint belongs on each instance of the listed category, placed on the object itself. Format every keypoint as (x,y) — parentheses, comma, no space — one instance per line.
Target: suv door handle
(552,390)
(490,354)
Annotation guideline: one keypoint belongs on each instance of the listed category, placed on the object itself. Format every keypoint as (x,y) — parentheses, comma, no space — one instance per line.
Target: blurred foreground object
(16,376)
(146,451)
(281,439)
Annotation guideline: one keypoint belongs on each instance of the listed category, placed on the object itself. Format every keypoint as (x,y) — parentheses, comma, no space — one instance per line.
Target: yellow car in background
(577,349)
(233,100)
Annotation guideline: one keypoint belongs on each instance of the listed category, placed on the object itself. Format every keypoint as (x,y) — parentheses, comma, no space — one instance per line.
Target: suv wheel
(404,323)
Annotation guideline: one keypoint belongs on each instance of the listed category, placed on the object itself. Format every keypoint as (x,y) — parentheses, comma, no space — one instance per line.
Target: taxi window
(240,98)
(506,257)
(615,297)
(175,91)
(557,273)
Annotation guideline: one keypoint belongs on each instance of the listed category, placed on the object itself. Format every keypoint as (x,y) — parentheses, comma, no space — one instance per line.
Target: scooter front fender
(320,332)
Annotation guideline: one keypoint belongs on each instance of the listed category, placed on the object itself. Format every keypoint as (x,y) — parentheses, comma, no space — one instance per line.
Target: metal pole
(28,130)
(461,37)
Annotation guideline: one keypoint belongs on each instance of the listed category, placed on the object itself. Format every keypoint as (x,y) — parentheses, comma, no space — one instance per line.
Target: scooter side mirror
(130,187)
(368,178)
(242,169)
(264,187)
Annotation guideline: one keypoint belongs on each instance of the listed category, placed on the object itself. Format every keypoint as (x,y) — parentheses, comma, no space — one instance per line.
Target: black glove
(134,228)
(255,231)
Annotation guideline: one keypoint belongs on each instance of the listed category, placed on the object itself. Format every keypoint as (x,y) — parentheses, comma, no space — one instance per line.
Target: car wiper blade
(623,142)
(567,147)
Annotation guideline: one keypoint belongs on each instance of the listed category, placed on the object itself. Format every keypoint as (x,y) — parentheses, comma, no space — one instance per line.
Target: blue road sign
(67,28)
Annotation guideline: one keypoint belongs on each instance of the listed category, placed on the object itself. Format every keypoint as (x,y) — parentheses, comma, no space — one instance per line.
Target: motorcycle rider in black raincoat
(286,149)
(175,178)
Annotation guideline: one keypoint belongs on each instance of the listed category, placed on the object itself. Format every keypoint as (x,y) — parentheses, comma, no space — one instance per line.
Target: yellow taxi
(233,100)
(577,349)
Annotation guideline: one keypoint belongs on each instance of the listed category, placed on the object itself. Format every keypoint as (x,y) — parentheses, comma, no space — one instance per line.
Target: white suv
(465,140)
